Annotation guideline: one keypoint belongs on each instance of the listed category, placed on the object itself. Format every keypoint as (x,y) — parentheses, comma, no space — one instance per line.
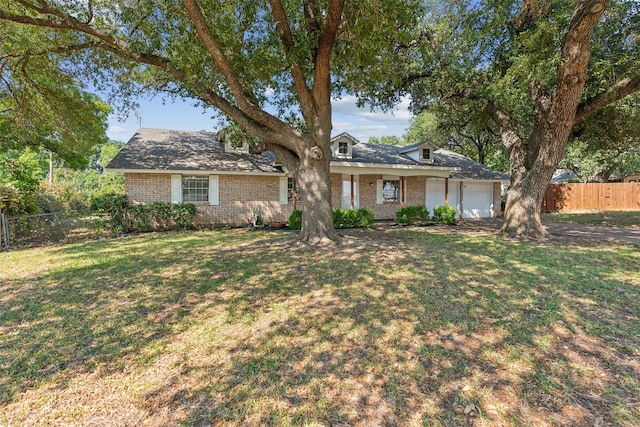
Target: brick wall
(240,197)
(147,187)
(415,195)
(243,195)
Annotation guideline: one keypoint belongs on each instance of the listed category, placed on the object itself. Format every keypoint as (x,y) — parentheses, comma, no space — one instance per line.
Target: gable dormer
(232,148)
(422,152)
(342,146)
(229,144)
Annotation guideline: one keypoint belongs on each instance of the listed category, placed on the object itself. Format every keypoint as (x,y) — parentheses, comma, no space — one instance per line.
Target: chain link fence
(35,230)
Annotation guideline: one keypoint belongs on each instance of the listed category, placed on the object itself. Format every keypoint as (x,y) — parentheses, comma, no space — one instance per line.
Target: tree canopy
(259,63)
(607,143)
(534,67)
(42,104)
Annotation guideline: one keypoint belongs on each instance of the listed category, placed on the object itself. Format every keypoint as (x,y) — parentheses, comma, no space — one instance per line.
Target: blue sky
(182,115)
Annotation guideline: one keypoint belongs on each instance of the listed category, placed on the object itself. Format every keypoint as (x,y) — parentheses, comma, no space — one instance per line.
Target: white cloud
(362,123)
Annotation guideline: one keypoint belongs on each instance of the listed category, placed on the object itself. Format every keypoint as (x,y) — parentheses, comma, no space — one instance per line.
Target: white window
(343,148)
(292,189)
(426,154)
(189,189)
(195,189)
(390,191)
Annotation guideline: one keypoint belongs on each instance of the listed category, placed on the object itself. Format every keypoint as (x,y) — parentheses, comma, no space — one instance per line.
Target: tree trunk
(531,167)
(532,164)
(315,185)
(524,202)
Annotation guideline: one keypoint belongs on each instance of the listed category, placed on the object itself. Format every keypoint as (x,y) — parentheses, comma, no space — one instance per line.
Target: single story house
(229,185)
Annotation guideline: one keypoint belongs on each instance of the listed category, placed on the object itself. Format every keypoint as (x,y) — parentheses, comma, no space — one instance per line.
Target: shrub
(66,194)
(444,214)
(295,220)
(115,206)
(342,218)
(123,217)
(47,203)
(15,202)
(412,215)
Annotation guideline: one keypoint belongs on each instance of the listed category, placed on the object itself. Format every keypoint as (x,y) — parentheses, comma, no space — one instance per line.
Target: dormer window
(343,148)
(426,154)
(231,148)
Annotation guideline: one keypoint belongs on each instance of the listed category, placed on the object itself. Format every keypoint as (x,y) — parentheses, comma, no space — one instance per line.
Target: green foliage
(22,169)
(386,140)
(350,218)
(342,218)
(412,215)
(124,217)
(444,214)
(115,207)
(295,220)
(607,143)
(14,202)
(422,127)
(42,101)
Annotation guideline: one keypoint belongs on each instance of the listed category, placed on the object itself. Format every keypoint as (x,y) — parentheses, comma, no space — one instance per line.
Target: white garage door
(435,192)
(477,199)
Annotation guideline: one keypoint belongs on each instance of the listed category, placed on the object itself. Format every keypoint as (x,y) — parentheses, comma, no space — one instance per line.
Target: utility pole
(50,167)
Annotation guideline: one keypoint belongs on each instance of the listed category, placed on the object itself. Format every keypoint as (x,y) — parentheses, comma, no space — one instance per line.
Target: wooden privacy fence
(583,197)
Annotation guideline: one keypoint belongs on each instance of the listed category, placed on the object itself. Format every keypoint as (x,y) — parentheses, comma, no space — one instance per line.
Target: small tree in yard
(259,63)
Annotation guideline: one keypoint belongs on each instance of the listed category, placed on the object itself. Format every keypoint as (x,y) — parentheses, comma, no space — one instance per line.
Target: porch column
(353,200)
(295,194)
(403,185)
(446,191)
(461,201)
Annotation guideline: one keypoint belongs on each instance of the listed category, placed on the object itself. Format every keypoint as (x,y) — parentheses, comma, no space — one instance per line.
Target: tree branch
(242,95)
(616,92)
(307,106)
(506,128)
(322,74)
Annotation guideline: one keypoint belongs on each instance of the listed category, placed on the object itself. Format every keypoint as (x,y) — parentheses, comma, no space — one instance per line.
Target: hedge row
(418,215)
(124,217)
(342,218)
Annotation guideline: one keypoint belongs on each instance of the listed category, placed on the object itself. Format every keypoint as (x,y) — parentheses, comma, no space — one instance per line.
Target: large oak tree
(536,68)
(41,105)
(259,63)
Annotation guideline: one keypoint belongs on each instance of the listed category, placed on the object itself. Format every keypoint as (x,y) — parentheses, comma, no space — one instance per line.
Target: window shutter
(214,191)
(176,189)
(379,198)
(283,190)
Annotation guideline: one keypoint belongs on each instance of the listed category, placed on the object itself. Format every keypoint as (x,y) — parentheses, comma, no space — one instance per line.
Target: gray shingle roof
(391,154)
(469,169)
(161,149)
(378,154)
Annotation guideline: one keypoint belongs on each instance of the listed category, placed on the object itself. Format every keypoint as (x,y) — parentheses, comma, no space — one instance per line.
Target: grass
(605,218)
(399,327)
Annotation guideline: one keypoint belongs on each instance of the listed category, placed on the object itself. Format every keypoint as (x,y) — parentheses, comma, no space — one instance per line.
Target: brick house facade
(230,186)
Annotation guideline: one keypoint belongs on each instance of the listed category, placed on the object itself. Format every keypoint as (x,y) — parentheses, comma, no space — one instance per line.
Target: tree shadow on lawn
(103,304)
(410,331)
(400,329)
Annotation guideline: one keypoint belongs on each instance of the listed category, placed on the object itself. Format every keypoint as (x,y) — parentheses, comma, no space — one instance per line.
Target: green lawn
(397,327)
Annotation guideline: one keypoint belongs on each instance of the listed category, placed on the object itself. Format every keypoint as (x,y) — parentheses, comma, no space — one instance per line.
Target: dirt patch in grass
(396,326)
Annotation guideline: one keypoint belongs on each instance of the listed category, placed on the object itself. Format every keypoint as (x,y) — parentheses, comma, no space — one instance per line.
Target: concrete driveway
(593,231)
(572,230)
